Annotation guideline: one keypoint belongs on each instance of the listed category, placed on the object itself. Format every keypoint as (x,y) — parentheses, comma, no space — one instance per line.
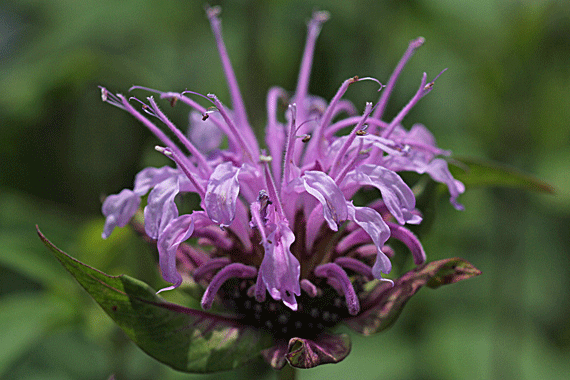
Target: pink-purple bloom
(279,219)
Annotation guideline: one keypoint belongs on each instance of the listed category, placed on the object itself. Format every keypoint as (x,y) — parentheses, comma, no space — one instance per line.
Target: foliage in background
(503,97)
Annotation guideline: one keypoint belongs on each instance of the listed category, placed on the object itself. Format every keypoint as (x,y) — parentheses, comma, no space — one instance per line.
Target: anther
(207,113)
(160,149)
(104,94)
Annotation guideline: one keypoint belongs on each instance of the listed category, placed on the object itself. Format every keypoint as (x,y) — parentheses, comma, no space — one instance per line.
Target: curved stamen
(147,123)
(112,99)
(233,270)
(203,164)
(175,96)
(335,167)
(232,142)
(335,272)
(423,90)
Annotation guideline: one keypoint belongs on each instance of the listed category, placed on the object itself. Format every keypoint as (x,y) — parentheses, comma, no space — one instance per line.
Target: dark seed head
(313,314)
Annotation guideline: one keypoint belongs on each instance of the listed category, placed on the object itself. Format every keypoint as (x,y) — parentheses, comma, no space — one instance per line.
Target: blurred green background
(504,97)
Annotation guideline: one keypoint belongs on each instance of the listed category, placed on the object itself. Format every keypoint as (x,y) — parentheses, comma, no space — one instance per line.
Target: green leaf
(473,173)
(445,272)
(185,339)
(383,305)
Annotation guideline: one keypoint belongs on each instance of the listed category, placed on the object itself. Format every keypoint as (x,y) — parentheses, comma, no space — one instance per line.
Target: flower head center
(314,314)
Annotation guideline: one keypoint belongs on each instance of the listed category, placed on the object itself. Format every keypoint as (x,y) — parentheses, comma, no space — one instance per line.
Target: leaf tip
(454,270)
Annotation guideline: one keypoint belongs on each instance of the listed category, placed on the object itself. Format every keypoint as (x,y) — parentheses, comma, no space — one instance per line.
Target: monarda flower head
(281,244)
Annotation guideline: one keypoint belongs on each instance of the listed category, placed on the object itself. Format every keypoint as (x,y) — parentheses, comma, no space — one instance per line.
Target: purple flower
(281,243)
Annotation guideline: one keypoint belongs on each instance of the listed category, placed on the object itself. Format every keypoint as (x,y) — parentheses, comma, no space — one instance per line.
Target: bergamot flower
(283,244)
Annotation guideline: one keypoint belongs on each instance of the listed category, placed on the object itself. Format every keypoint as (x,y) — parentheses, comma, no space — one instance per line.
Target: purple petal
(385,145)
(323,187)
(118,210)
(161,209)
(148,178)
(396,194)
(222,193)
(371,222)
(280,270)
(177,231)
(438,170)
(306,353)
(419,133)
(421,160)
(240,226)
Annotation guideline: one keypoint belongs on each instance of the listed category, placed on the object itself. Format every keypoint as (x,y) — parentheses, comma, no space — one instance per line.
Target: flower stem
(287,373)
